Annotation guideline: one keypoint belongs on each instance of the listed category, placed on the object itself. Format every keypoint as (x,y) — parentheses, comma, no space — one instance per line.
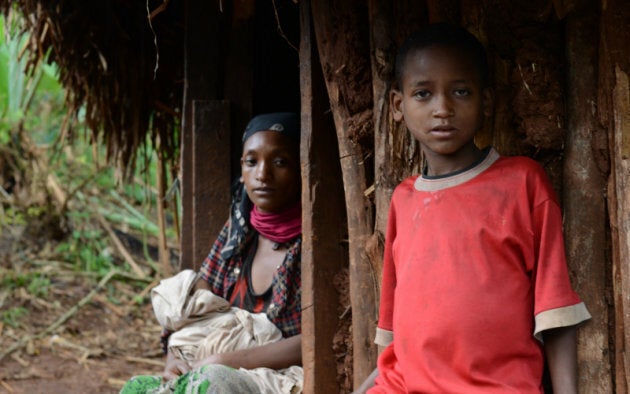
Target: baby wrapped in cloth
(204,324)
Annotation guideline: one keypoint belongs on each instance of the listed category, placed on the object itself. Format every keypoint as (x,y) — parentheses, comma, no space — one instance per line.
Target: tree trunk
(324,226)
(614,99)
(344,56)
(584,198)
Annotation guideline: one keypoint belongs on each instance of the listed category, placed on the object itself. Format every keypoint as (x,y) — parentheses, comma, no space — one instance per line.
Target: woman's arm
(561,355)
(277,355)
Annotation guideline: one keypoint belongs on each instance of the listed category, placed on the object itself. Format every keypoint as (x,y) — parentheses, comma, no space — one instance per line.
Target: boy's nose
(443,107)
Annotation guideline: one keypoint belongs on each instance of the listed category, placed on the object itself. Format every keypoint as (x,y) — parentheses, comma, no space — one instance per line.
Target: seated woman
(255,265)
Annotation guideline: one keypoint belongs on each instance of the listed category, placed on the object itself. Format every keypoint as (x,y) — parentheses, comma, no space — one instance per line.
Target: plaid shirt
(285,308)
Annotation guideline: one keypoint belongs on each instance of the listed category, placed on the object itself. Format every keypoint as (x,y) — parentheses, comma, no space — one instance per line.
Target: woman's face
(270,168)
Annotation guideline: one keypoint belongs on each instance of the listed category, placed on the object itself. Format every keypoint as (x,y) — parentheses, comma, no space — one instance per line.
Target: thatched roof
(108,62)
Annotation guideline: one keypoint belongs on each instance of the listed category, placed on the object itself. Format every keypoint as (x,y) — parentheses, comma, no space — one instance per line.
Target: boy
(475,290)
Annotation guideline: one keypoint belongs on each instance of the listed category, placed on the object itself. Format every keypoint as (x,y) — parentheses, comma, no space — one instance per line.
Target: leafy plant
(13,316)
(50,147)
(39,286)
(35,283)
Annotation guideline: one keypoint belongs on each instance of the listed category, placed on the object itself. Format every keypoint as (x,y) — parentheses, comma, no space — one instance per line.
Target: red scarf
(279,227)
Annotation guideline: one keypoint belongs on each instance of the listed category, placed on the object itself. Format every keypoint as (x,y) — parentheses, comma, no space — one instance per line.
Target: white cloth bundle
(204,324)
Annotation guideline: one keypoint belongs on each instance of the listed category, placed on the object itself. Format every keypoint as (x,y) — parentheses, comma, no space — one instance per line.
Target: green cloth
(210,379)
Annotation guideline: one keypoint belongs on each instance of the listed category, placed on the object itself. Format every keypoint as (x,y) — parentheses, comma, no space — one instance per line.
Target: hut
(189,74)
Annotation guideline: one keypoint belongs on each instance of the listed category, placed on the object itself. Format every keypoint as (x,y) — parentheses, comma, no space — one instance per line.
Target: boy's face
(441,100)
(270,169)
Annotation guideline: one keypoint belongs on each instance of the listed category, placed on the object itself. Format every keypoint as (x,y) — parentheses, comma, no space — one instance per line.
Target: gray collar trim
(429,185)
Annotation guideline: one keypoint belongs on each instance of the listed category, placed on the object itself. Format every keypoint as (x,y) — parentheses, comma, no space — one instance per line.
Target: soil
(110,338)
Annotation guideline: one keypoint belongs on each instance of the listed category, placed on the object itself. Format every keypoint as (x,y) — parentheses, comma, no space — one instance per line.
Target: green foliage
(13,316)
(35,283)
(39,286)
(32,107)
(87,249)
(12,217)
(19,92)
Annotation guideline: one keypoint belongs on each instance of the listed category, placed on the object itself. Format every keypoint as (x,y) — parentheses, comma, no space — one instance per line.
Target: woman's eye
(249,162)
(422,94)
(280,162)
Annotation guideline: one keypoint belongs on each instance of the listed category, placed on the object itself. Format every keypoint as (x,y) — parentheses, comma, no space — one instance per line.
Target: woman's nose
(262,171)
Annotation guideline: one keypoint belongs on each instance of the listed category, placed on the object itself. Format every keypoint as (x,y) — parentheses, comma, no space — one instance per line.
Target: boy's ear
(395,103)
(488,102)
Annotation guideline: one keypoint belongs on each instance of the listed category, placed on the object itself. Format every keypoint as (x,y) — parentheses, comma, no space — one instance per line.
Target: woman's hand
(174,367)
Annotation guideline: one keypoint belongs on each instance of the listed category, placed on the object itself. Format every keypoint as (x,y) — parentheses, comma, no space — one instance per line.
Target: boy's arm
(367,383)
(561,352)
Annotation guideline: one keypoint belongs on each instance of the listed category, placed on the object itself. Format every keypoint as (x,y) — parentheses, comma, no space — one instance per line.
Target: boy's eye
(422,94)
(461,92)
(280,162)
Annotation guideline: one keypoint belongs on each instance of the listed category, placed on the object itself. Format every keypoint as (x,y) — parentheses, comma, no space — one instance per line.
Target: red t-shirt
(470,260)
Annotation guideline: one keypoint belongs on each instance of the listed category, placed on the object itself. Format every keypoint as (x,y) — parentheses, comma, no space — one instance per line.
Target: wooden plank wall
(202,73)
(217,106)
(613,100)
(561,77)
(324,255)
(211,173)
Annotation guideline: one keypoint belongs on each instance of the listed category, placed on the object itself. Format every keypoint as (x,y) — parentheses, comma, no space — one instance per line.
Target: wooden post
(344,55)
(396,153)
(201,72)
(383,51)
(239,75)
(583,197)
(323,221)
(211,173)
(614,100)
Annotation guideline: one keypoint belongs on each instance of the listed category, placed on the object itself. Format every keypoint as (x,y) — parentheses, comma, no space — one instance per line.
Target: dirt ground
(95,350)
(107,336)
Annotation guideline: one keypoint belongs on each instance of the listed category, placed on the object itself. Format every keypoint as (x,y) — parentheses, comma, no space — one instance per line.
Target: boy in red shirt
(475,292)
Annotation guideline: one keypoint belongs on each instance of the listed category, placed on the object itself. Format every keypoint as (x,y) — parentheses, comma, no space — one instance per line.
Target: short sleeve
(384,332)
(556,304)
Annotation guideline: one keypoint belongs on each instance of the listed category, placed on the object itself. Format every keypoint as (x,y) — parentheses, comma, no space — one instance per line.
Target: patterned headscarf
(285,123)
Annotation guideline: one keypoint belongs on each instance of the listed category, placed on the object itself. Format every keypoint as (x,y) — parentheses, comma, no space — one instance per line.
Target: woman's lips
(263,190)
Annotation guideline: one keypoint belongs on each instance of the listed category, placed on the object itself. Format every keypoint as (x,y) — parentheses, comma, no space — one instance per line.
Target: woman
(254,264)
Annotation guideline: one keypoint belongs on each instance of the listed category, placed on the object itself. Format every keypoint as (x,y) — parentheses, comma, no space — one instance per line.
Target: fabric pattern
(210,379)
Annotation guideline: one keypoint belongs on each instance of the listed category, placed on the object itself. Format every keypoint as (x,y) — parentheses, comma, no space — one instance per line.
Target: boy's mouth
(443,130)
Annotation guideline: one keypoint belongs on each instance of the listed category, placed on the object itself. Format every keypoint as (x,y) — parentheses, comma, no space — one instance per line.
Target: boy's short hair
(445,35)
